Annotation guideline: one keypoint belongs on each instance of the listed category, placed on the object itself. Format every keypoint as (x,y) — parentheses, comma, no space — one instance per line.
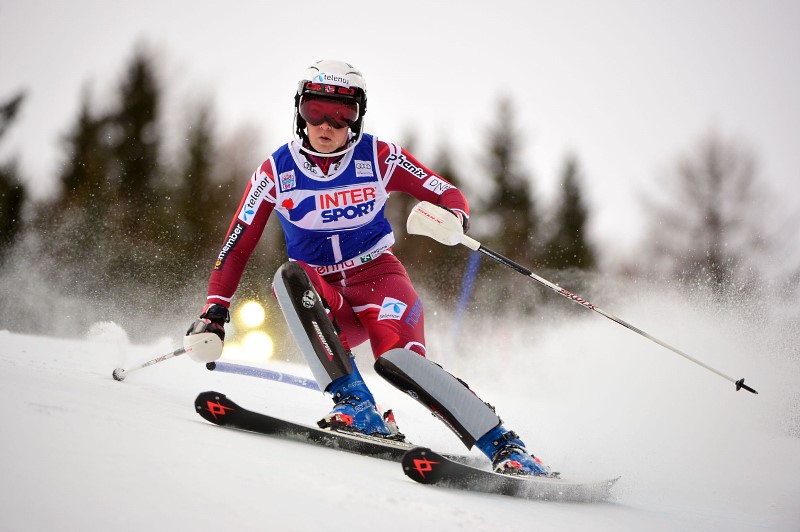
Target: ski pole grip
(470,242)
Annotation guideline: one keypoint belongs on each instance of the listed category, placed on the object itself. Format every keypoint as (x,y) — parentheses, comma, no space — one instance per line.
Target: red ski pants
(375,302)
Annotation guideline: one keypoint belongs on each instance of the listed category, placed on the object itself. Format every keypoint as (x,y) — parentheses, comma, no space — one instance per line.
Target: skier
(343,285)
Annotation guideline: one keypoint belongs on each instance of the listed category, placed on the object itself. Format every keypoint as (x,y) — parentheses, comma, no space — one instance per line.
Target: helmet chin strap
(351,143)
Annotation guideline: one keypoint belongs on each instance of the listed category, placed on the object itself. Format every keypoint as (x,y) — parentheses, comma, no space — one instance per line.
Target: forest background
(132,230)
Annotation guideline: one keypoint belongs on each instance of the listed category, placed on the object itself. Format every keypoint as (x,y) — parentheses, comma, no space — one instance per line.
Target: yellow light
(232,351)
(257,346)
(252,314)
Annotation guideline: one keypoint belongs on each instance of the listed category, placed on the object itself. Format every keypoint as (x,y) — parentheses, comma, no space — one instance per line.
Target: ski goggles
(338,113)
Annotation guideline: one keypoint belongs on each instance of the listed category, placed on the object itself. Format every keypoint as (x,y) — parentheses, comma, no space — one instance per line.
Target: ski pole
(437,223)
(120,373)
(203,347)
(239,369)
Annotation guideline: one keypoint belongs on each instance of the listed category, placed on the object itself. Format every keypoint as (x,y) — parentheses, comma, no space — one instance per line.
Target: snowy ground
(82,452)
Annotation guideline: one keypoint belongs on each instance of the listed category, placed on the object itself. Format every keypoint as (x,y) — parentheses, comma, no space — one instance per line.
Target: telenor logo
(392,309)
(261,184)
(324,77)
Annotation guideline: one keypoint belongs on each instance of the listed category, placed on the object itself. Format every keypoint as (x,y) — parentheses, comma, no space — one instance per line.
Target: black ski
(218,409)
(428,467)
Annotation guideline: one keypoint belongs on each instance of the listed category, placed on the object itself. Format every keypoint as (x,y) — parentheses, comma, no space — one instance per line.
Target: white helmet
(332,79)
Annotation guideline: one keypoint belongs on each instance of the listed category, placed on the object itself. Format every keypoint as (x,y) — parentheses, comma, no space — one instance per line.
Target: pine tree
(146,257)
(196,198)
(511,206)
(106,230)
(73,226)
(508,221)
(567,246)
(12,198)
(83,179)
(136,144)
(9,110)
(12,192)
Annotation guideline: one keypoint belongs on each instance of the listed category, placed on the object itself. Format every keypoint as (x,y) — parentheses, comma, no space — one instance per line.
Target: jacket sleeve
(243,234)
(402,172)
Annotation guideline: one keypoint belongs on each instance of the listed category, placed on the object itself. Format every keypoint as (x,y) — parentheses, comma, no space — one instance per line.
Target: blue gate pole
(466,291)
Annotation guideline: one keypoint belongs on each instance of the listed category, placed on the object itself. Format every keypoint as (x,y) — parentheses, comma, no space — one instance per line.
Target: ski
(428,467)
(216,408)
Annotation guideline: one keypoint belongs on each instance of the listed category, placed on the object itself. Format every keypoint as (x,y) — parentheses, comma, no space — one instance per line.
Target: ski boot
(509,456)
(355,409)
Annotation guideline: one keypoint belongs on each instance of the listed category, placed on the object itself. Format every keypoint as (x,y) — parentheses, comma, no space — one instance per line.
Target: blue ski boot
(508,454)
(355,409)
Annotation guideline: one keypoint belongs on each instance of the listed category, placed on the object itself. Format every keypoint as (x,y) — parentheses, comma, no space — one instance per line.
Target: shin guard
(447,397)
(310,325)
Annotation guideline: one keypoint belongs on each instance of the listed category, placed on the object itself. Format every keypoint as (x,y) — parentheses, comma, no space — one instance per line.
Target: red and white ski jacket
(288,180)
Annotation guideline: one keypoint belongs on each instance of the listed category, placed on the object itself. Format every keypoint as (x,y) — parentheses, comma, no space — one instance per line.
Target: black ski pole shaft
(569,295)
(437,223)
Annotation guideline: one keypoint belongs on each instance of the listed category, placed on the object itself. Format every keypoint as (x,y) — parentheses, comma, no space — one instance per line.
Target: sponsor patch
(308,298)
(391,309)
(261,184)
(333,268)
(333,205)
(437,185)
(230,243)
(348,203)
(322,341)
(364,169)
(414,314)
(287,181)
(401,161)
(372,255)
(335,79)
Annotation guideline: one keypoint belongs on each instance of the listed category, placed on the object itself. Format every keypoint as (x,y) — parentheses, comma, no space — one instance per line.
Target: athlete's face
(326,139)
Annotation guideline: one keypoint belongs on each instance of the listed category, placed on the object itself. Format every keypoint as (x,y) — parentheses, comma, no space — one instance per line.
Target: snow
(82,452)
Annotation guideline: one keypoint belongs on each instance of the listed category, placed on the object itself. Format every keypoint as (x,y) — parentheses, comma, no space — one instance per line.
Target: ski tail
(428,467)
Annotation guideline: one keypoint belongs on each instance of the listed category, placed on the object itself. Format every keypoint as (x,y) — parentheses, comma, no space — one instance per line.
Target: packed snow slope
(82,452)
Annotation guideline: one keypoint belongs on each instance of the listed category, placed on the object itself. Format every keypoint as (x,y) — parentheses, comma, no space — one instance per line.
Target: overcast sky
(628,86)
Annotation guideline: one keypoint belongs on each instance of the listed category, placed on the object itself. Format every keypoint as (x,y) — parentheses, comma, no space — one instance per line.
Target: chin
(327,149)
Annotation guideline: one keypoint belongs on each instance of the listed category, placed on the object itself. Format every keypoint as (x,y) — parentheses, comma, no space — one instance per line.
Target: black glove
(213,320)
